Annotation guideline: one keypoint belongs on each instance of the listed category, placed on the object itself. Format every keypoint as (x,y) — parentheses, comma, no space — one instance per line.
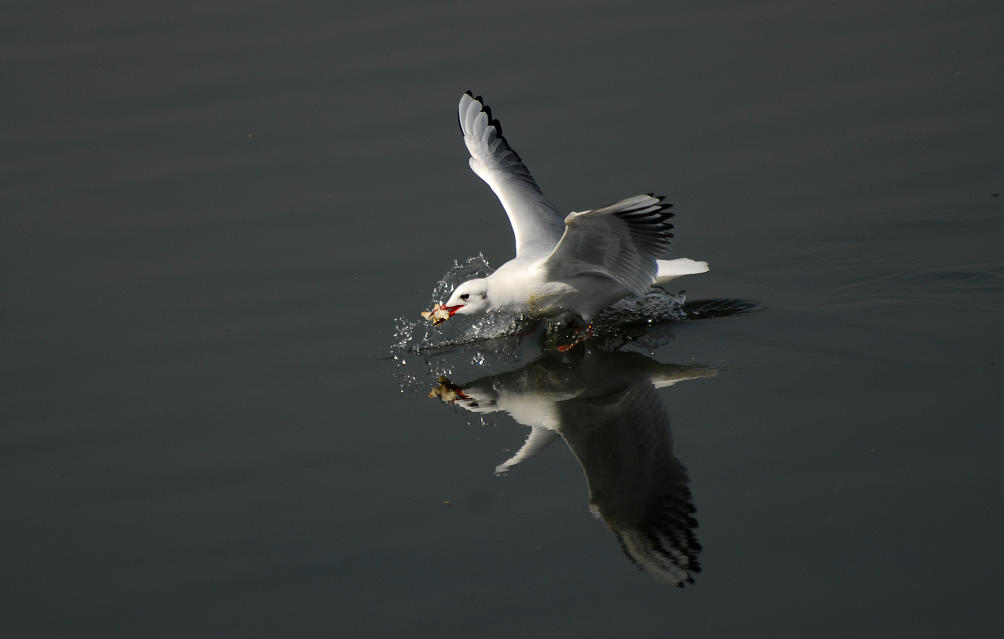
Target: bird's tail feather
(672,269)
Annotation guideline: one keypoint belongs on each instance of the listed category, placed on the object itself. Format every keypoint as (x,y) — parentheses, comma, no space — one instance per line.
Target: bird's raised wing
(621,241)
(536,223)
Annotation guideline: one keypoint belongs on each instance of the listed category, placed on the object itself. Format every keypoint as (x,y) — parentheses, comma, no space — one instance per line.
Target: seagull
(580,263)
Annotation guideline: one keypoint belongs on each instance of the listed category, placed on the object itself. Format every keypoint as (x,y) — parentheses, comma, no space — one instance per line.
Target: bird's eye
(465,296)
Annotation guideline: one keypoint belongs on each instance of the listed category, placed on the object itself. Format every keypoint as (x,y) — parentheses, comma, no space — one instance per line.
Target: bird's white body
(524,286)
(579,263)
(521,285)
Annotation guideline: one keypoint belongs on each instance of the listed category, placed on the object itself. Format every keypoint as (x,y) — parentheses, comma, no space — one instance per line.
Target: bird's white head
(470,298)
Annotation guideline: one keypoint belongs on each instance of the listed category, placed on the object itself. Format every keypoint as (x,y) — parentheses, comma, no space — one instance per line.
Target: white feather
(672,269)
(536,222)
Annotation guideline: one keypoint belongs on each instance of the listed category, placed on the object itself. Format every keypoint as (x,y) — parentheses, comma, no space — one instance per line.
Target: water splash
(423,351)
(626,320)
(413,335)
(420,336)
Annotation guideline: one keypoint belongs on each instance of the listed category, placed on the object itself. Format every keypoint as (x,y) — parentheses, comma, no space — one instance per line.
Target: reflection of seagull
(607,411)
(580,263)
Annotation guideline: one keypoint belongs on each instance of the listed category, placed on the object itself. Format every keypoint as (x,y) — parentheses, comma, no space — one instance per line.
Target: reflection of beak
(447,391)
(440,313)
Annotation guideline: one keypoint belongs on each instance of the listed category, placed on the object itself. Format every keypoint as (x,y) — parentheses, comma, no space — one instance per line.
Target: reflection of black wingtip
(720,307)
(665,544)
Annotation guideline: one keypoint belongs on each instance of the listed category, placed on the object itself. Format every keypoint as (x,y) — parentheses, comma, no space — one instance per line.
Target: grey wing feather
(536,222)
(621,241)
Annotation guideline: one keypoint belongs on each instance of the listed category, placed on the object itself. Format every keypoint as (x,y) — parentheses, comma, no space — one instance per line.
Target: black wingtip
(469,93)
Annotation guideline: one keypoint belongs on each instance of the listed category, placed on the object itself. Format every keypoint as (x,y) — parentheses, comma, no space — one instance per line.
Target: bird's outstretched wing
(621,241)
(536,223)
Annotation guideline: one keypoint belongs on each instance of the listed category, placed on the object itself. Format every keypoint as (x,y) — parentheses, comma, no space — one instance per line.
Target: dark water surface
(213,213)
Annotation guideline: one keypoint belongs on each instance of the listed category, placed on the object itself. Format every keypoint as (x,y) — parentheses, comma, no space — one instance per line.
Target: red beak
(452,309)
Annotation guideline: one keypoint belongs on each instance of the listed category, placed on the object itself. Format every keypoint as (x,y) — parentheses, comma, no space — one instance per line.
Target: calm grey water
(213,213)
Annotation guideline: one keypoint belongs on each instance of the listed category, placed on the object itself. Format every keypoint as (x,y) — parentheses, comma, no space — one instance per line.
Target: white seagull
(579,263)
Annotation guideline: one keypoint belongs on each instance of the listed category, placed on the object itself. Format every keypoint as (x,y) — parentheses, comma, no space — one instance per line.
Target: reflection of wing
(535,441)
(606,409)
(636,485)
(621,241)
(536,223)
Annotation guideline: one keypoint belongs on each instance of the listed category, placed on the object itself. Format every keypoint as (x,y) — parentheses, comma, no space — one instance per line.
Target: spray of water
(501,336)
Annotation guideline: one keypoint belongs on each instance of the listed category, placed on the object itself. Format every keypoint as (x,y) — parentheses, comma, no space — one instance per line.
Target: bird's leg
(581,335)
